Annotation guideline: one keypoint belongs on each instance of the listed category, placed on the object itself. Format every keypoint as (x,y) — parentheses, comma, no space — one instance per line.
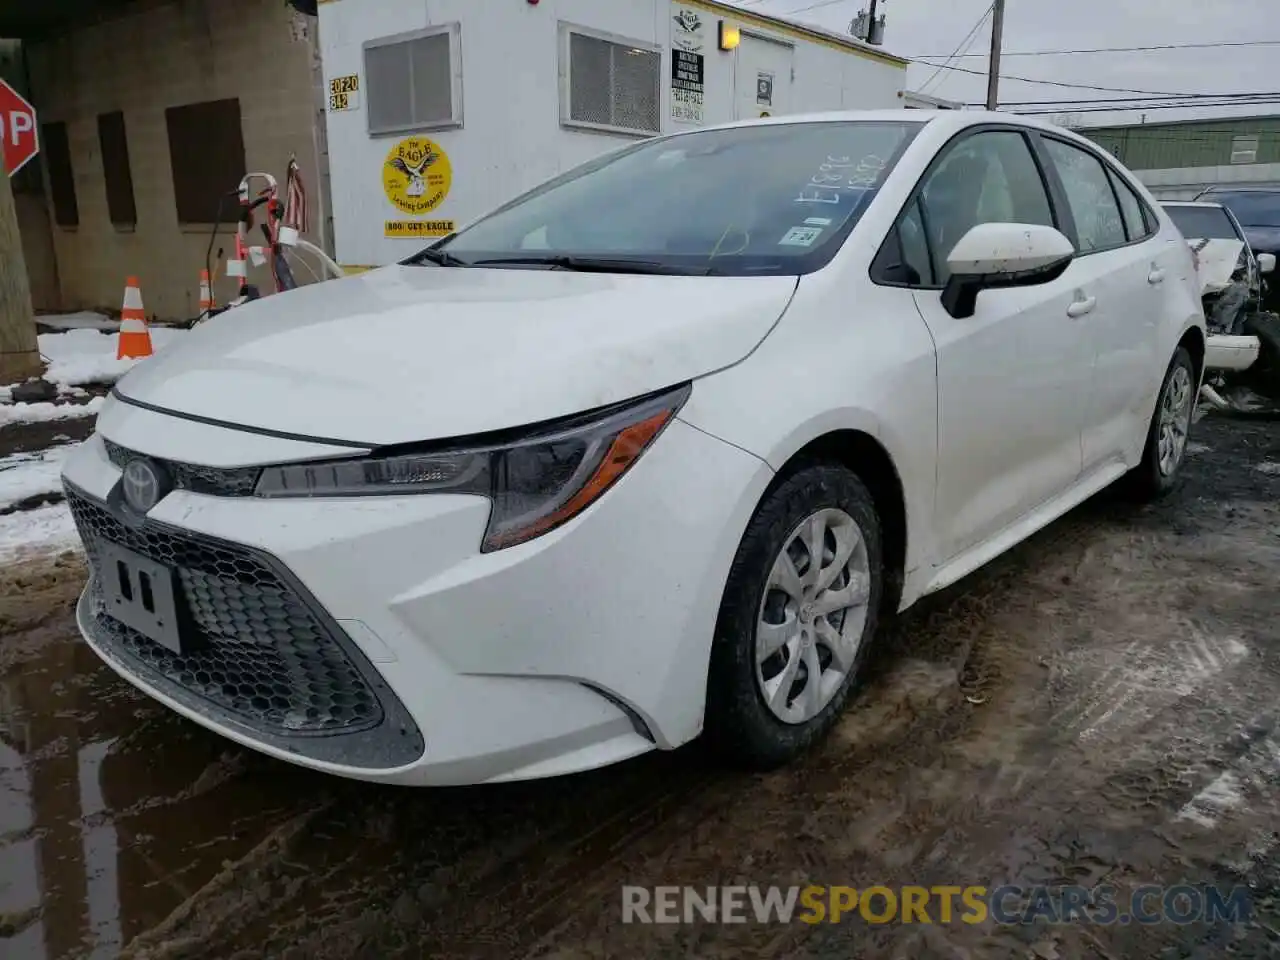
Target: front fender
(908,440)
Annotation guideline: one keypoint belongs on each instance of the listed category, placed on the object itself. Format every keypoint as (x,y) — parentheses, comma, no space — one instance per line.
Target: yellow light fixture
(730,36)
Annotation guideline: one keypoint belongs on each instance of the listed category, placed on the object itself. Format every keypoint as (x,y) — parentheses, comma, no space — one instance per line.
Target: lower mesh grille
(264,655)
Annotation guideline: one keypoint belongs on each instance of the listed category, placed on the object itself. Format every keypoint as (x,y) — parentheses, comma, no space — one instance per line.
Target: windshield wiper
(595,265)
(441,258)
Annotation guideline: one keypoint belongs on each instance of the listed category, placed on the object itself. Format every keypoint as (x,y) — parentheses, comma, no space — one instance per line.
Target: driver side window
(989,177)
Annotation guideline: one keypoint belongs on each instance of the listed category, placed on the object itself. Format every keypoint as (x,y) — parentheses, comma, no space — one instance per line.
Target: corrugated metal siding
(1201,144)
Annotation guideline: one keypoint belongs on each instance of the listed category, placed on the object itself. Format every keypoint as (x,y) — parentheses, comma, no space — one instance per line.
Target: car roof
(947,121)
(1242,188)
(1191,203)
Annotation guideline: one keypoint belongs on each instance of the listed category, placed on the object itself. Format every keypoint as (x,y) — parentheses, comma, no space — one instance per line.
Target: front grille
(214,481)
(264,655)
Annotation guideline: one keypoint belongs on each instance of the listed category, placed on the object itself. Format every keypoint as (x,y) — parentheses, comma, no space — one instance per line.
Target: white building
(440,110)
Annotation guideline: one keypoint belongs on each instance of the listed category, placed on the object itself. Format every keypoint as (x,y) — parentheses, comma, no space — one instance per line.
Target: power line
(1049,83)
(1060,83)
(1237,97)
(1139,104)
(1210,45)
(1140,108)
(1164,46)
(1144,105)
(1134,107)
(964,44)
(812,6)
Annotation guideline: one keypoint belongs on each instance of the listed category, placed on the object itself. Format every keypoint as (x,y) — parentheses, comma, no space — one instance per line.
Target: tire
(1155,476)
(740,725)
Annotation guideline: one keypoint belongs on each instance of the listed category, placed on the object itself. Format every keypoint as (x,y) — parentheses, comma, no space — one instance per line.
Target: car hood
(402,354)
(1215,262)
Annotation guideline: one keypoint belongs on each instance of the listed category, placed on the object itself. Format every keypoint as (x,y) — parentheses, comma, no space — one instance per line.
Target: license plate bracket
(141,594)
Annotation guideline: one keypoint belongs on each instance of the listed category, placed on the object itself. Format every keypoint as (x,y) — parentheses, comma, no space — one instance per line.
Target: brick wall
(161,54)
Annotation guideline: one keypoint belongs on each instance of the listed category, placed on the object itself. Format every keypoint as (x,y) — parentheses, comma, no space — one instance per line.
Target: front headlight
(536,483)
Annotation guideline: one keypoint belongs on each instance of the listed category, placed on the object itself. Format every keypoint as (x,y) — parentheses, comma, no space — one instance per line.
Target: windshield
(760,199)
(1252,209)
(1203,223)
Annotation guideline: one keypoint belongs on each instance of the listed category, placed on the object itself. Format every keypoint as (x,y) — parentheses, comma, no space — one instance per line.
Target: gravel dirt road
(1099,706)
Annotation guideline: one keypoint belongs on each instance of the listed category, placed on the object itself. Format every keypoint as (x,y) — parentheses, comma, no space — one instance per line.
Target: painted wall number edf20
(344,93)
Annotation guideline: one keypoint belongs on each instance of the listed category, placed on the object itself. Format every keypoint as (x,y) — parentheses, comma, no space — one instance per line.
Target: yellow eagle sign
(416,175)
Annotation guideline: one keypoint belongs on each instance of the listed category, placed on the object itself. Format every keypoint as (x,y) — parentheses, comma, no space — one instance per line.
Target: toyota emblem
(143,485)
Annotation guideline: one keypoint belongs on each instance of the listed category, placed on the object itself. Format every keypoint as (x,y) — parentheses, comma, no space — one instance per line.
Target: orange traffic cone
(206,296)
(135,339)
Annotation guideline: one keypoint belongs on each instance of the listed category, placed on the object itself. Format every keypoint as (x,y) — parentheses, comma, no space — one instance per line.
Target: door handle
(1081,307)
(1155,276)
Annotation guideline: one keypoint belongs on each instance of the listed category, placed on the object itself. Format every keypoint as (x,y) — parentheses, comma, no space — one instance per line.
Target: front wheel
(797,618)
(1166,446)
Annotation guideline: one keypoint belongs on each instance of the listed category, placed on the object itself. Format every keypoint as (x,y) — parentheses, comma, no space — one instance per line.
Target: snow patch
(84,356)
(25,475)
(1220,796)
(1230,790)
(46,412)
(32,532)
(1139,680)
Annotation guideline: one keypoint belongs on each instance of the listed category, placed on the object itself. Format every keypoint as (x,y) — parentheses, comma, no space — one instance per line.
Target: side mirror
(994,255)
(1266,262)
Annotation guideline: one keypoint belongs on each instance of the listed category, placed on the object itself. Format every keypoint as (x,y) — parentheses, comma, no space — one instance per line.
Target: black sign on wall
(687,70)
(688,76)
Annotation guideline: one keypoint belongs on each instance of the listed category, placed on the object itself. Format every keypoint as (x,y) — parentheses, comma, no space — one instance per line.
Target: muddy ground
(1099,706)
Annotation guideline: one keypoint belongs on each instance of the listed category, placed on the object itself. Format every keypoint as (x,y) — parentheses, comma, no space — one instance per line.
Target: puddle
(112,811)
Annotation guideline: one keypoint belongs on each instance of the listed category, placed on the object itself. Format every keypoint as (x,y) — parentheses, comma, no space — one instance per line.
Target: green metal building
(1192,143)
(1177,159)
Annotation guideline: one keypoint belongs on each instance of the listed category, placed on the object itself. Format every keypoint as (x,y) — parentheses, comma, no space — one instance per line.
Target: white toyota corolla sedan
(643,454)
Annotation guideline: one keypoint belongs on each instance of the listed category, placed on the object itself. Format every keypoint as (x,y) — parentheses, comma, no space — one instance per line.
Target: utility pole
(993,67)
(19,351)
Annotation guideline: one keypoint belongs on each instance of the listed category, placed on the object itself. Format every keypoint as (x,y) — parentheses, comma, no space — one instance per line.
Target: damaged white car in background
(1242,356)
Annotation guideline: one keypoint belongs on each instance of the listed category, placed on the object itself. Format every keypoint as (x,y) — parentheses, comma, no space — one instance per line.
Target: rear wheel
(1167,434)
(797,618)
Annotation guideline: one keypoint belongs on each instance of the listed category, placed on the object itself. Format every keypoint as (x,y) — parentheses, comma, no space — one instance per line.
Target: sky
(933,29)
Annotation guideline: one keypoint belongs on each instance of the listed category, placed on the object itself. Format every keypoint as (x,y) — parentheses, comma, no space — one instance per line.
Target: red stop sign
(17,129)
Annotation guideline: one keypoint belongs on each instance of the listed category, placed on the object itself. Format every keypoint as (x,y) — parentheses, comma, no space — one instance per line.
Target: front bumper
(586,646)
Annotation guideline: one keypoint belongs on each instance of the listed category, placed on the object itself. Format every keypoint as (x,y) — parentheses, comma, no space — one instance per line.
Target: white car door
(1121,261)
(1012,377)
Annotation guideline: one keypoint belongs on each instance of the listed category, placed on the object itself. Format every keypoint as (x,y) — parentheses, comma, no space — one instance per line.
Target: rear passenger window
(1135,220)
(1099,225)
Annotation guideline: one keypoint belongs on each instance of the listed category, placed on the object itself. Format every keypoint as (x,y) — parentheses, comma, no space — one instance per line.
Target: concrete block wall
(1185,183)
(161,54)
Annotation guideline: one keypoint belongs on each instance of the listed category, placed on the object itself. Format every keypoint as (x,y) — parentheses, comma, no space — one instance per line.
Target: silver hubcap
(1175,421)
(812,615)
